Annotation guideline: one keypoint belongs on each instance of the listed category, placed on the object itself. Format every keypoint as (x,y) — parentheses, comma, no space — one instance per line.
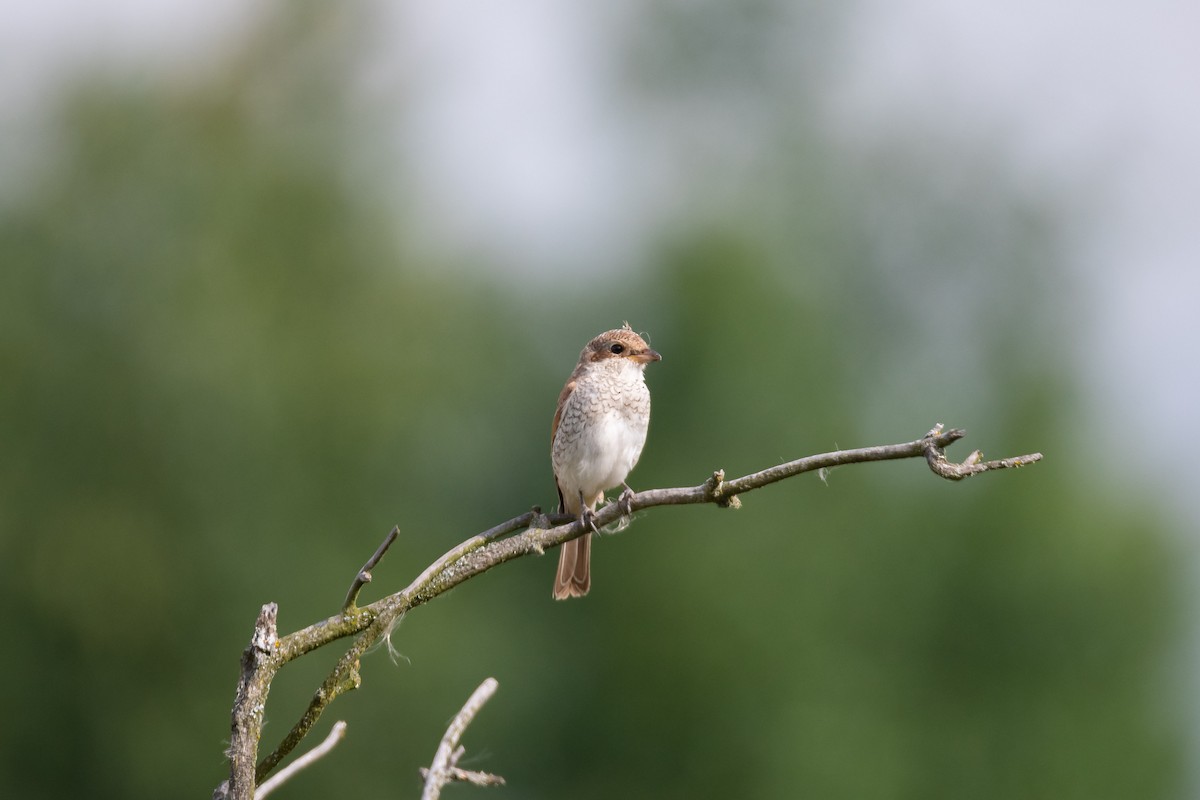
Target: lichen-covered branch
(259,666)
(531,532)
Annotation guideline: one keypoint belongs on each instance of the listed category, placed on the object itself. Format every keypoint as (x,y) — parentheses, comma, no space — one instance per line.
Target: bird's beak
(647,357)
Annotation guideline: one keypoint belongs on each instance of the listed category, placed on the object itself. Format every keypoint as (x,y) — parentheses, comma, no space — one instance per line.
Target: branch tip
(935,456)
(444,768)
(364,575)
(331,741)
(266,631)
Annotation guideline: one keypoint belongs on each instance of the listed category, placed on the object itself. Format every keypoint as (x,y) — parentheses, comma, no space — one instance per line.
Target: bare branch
(258,669)
(364,574)
(534,533)
(444,768)
(715,490)
(309,758)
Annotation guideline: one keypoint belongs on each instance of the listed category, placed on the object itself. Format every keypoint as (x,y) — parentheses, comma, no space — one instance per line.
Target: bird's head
(621,343)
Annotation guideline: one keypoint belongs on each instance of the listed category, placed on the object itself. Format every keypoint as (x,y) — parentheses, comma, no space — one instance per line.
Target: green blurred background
(233,357)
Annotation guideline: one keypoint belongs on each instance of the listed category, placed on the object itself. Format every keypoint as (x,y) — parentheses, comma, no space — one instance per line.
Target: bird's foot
(588,518)
(625,501)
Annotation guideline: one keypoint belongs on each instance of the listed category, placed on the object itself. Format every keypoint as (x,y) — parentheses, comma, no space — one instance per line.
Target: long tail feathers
(574,577)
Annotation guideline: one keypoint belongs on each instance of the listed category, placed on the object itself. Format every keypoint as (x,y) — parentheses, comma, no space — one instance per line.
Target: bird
(598,433)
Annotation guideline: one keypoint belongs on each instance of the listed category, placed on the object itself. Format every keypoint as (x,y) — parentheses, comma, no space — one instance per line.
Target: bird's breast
(600,435)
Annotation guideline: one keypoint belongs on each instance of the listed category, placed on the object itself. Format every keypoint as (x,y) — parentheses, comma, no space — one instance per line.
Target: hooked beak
(647,356)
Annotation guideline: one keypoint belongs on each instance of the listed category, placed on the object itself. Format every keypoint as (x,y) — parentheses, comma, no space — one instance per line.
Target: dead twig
(308,759)
(935,455)
(364,575)
(444,768)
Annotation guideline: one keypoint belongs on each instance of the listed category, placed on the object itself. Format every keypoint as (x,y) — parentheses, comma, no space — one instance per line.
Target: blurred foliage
(226,377)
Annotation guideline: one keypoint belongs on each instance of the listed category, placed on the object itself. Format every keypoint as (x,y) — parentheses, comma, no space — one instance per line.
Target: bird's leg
(625,501)
(586,515)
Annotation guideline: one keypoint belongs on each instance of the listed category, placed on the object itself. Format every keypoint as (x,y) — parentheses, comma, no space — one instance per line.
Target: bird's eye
(616,349)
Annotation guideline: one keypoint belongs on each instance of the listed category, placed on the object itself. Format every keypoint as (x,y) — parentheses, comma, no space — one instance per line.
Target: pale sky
(1094,98)
(1103,100)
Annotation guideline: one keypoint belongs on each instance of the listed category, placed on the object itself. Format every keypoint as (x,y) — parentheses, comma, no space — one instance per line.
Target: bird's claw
(587,518)
(625,501)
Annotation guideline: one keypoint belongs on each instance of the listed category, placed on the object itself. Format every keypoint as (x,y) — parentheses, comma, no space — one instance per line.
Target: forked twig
(444,768)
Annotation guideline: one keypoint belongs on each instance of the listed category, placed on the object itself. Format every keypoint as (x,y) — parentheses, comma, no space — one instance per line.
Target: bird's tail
(574,577)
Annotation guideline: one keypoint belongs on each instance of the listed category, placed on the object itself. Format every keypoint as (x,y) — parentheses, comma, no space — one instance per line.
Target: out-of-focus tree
(225,376)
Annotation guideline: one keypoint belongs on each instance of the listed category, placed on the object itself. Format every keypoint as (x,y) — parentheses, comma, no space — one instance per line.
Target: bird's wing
(563,396)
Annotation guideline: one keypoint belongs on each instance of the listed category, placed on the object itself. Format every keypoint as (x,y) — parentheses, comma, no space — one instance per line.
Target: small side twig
(364,575)
(469,776)
(444,768)
(308,759)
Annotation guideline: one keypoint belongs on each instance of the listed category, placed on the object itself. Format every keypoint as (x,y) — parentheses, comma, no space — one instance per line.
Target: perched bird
(599,430)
